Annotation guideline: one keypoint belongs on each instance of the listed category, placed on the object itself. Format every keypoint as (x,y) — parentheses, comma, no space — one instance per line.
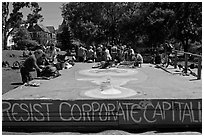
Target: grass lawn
(11,78)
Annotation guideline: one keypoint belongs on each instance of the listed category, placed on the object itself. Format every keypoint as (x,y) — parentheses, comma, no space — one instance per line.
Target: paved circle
(110,72)
(110,83)
(116,92)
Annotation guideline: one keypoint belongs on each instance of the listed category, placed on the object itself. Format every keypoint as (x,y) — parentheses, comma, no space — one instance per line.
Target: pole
(199,68)
(186,63)
(175,60)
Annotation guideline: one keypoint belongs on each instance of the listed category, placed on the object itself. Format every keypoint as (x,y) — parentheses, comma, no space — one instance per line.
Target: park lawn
(11,78)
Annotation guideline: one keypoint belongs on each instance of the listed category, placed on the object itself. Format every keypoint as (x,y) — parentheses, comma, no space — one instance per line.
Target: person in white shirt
(138,59)
(131,54)
(51,53)
(107,55)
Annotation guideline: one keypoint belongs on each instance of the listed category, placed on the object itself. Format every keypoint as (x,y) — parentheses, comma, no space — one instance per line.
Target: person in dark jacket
(29,65)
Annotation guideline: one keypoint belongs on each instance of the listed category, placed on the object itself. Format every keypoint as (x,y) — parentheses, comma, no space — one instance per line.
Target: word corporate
(134,111)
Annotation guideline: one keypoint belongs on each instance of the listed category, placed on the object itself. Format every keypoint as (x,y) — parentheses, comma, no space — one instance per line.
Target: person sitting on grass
(29,65)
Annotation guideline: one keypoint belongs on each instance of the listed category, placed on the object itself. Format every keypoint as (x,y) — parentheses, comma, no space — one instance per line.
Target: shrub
(29,44)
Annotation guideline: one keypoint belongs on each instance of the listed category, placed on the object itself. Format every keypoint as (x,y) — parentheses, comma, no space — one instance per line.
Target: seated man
(29,65)
(138,60)
(42,62)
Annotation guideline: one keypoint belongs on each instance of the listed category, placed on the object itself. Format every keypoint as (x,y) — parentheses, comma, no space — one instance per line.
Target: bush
(29,44)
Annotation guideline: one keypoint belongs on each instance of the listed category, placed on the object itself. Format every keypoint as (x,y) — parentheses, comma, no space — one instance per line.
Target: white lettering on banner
(77,112)
(135,111)
(95,108)
(35,106)
(111,111)
(103,109)
(6,109)
(165,108)
(158,111)
(61,113)
(86,109)
(26,110)
(187,112)
(47,110)
(14,113)
(200,111)
(149,120)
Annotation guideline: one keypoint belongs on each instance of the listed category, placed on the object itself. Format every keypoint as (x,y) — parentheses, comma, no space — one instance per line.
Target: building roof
(39,27)
(43,28)
(51,29)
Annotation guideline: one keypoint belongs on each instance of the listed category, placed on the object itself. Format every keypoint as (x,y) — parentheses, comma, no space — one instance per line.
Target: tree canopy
(134,23)
(14,19)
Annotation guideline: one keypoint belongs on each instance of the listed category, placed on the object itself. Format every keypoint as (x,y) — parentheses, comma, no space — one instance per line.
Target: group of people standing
(107,53)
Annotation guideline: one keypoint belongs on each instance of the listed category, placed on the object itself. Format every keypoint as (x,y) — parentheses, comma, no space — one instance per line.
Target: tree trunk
(4,39)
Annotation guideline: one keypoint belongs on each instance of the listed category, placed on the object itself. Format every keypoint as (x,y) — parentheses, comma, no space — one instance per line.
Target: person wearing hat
(29,65)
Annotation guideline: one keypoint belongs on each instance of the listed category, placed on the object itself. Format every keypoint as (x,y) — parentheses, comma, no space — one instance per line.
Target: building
(42,34)
(52,33)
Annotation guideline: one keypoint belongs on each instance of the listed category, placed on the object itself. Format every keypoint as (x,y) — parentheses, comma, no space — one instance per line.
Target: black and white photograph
(101,67)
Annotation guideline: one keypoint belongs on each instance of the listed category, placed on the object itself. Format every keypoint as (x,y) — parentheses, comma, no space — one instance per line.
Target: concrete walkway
(149,82)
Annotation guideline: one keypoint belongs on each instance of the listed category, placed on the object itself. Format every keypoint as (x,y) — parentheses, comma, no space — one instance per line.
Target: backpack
(49,71)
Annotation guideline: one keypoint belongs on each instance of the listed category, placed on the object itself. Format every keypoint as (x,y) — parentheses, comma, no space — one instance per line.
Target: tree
(159,23)
(135,23)
(15,18)
(21,34)
(83,19)
(188,24)
(65,37)
(34,16)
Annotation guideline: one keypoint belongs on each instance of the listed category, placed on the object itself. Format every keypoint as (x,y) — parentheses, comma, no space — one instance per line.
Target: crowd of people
(43,57)
(107,53)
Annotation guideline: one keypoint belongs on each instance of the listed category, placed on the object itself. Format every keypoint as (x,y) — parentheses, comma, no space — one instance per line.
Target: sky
(51,13)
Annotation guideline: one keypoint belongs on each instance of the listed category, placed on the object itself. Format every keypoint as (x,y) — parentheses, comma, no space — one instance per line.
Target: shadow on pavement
(17,84)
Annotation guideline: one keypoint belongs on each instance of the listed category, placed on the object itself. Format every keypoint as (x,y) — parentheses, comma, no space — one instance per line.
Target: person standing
(99,52)
(107,54)
(90,54)
(81,53)
(29,65)
(114,52)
